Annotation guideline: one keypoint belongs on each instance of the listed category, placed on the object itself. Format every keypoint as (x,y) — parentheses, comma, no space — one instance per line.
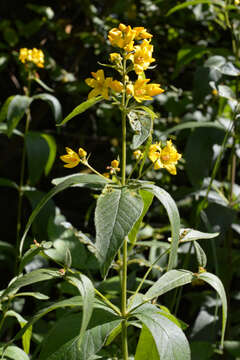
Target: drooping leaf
(87,179)
(216,283)
(170,280)
(201,256)
(86,289)
(147,200)
(54,104)
(16,109)
(116,212)
(4,108)
(41,151)
(146,347)
(195,2)
(26,337)
(170,341)
(81,108)
(173,215)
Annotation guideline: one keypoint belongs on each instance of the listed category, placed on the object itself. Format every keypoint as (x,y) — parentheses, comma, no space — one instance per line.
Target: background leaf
(16,109)
(54,104)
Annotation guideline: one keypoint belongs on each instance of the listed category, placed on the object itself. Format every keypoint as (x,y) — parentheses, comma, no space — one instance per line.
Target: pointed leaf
(188,234)
(216,283)
(16,109)
(146,347)
(195,2)
(172,211)
(147,200)
(170,280)
(87,179)
(62,341)
(170,341)
(86,289)
(30,278)
(13,352)
(192,125)
(81,108)
(116,212)
(54,104)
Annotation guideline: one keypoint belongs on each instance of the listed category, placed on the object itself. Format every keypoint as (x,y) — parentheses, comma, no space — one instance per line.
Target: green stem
(124,256)
(111,305)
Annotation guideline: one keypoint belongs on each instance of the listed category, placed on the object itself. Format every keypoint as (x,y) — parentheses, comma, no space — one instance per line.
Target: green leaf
(26,337)
(36,295)
(52,152)
(42,84)
(147,198)
(16,109)
(216,283)
(188,234)
(232,347)
(146,347)
(81,108)
(192,125)
(86,289)
(54,104)
(61,342)
(170,341)
(116,212)
(10,36)
(188,54)
(170,280)
(13,352)
(201,256)
(8,183)
(41,151)
(30,278)
(226,92)
(87,179)
(4,108)
(141,122)
(193,3)
(172,211)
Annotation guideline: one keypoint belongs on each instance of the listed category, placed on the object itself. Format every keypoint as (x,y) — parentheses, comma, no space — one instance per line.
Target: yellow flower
(82,153)
(141,90)
(122,37)
(115,164)
(32,55)
(164,158)
(236,2)
(115,58)
(142,56)
(71,158)
(116,86)
(141,33)
(99,84)
(138,154)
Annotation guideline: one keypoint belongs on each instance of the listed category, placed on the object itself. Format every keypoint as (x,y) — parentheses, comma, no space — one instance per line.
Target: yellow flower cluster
(164,158)
(140,55)
(34,55)
(72,159)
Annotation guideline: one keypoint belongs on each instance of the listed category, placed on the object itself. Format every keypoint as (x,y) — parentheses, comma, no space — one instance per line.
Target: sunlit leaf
(193,3)
(81,108)
(116,212)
